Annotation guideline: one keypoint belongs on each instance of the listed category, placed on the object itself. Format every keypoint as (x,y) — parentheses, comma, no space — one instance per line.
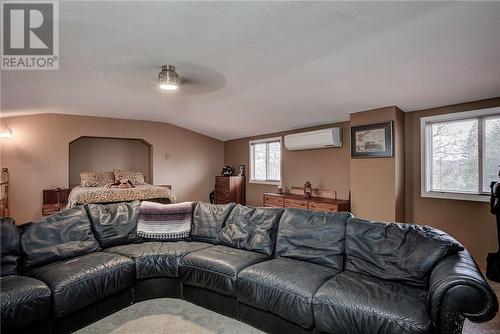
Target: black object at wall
(493,259)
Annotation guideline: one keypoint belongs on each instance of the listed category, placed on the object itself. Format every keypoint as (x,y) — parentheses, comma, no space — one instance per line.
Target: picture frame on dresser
(241,170)
(372,141)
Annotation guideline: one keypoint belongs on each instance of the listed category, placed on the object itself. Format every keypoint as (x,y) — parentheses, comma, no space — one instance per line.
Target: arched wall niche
(92,154)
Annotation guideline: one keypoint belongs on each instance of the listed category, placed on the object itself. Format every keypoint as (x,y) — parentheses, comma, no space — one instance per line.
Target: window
(265,161)
(460,154)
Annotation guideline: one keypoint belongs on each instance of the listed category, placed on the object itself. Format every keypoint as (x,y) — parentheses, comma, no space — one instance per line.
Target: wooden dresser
(230,189)
(298,201)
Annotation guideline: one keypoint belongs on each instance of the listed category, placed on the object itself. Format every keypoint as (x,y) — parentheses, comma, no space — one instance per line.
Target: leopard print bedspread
(87,195)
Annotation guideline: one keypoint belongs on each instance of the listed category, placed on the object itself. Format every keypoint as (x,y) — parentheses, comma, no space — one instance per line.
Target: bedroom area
(175,162)
(249,167)
(112,170)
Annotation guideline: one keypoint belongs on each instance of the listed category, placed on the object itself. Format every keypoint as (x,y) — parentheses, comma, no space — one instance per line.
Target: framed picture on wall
(372,141)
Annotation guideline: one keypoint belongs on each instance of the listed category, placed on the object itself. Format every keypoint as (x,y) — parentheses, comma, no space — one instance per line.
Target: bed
(86,195)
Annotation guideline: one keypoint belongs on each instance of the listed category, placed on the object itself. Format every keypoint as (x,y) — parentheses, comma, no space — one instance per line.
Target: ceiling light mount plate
(168,78)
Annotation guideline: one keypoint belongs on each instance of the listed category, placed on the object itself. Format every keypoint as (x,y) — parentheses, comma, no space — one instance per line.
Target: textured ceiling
(261,67)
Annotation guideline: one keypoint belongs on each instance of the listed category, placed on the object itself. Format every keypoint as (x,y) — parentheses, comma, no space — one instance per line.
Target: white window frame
(266,140)
(425,154)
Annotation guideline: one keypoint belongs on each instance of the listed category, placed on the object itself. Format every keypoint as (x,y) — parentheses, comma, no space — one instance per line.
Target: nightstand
(49,209)
(50,205)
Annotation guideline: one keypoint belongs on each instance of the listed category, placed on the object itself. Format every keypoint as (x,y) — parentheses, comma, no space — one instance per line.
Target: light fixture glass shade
(6,133)
(168,78)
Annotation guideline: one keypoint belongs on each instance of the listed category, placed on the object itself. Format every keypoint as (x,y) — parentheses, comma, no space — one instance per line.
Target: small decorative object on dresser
(230,189)
(226,171)
(307,190)
(54,200)
(372,141)
(242,170)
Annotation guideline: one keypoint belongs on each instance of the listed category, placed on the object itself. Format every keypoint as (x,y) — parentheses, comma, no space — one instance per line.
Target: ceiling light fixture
(6,133)
(168,78)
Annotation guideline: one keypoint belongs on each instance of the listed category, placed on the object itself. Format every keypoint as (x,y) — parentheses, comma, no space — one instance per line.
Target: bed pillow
(96,179)
(398,252)
(114,224)
(137,178)
(63,235)
(253,229)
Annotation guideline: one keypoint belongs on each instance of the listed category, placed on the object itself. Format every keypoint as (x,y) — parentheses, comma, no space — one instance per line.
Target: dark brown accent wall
(324,168)
(468,221)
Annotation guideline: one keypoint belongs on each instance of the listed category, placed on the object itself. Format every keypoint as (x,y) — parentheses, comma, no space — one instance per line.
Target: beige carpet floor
(173,316)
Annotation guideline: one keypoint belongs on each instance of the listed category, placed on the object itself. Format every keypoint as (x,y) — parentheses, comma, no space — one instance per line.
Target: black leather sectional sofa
(283,271)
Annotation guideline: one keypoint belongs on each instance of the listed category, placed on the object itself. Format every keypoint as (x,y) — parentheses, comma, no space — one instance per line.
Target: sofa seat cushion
(284,287)
(25,301)
(355,303)
(154,259)
(216,268)
(83,280)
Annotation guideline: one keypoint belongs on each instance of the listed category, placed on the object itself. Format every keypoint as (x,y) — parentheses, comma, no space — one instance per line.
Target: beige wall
(38,154)
(106,154)
(377,184)
(324,168)
(469,222)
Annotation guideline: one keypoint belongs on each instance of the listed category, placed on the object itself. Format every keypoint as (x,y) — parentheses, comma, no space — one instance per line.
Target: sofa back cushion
(253,229)
(57,237)
(208,220)
(114,224)
(313,236)
(399,252)
(10,246)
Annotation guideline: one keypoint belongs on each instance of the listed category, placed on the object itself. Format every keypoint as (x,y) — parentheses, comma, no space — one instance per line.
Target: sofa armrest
(458,290)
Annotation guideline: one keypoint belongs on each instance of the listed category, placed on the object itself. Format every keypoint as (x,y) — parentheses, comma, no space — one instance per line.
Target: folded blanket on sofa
(164,221)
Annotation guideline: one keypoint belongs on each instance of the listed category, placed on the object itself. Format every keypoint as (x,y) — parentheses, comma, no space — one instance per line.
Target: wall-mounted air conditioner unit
(325,138)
